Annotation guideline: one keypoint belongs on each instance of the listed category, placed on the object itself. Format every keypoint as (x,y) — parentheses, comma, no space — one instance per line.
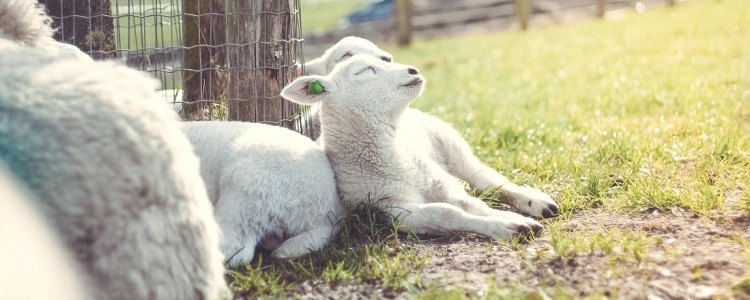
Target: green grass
(648,113)
(653,99)
(147,24)
(615,243)
(325,15)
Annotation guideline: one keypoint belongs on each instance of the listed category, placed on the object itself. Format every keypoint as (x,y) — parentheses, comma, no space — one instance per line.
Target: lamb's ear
(316,67)
(300,91)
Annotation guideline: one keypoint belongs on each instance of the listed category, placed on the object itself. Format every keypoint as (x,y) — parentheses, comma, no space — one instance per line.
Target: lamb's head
(362,86)
(343,50)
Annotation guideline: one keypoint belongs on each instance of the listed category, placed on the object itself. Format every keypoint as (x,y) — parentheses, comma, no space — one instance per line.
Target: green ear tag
(314,87)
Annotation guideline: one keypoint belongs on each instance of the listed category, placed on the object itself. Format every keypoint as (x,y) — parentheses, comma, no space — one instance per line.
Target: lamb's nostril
(413,71)
(385,58)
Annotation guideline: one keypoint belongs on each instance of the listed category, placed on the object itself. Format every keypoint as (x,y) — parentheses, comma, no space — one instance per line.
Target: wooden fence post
(258,31)
(671,2)
(601,8)
(204,30)
(403,22)
(523,10)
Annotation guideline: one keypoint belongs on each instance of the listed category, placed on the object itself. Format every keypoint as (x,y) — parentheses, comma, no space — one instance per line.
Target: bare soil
(688,242)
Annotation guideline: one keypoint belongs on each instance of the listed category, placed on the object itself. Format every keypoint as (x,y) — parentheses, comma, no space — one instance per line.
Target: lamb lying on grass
(445,145)
(376,157)
(269,185)
(108,166)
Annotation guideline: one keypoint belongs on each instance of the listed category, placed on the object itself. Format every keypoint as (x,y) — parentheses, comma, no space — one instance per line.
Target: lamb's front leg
(305,242)
(478,207)
(462,163)
(441,218)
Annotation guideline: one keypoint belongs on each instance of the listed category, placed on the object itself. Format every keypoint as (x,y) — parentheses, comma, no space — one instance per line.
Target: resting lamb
(445,143)
(375,158)
(269,185)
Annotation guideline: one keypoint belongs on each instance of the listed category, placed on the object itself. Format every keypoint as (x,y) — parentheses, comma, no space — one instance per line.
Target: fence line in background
(449,17)
(229,59)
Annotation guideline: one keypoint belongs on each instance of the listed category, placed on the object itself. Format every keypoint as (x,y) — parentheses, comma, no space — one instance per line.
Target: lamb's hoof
(282,254)
(529,230)
(536,203)
(550,211)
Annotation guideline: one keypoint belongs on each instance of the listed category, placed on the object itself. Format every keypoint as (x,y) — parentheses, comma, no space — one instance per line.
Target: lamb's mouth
(415,81)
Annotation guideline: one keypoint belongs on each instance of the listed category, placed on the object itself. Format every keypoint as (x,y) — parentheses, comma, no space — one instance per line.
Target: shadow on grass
(368,249)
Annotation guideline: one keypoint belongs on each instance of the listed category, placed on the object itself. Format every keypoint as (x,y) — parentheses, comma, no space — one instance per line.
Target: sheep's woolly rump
(25,23)
(31,245)
(112,172)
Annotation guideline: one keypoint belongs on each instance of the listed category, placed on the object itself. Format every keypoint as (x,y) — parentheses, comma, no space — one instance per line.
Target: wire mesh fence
(216,59)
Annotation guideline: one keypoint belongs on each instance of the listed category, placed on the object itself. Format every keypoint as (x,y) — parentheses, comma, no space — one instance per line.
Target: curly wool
(114,174)
(25,23)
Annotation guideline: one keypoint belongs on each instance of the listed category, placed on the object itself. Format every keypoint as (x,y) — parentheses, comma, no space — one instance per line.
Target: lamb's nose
(413,71)
(385,58)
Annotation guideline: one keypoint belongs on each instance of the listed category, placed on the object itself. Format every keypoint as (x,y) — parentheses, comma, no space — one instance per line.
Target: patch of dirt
(670,270)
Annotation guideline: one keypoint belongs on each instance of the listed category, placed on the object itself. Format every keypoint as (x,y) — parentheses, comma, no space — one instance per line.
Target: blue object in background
(373,11)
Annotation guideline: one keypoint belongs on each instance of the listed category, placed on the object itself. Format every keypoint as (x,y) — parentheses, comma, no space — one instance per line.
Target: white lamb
(269,185)
(376,157)
(446,145)
(108,167)
(30,245)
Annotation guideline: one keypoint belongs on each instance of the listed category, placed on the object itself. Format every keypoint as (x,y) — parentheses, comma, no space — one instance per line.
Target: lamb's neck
(350,135)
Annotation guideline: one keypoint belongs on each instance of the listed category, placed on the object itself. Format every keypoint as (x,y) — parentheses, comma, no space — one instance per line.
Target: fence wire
(216,59)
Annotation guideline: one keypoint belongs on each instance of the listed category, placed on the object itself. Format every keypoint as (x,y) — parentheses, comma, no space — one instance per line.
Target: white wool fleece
(269,185)
(24,22)
(114,174)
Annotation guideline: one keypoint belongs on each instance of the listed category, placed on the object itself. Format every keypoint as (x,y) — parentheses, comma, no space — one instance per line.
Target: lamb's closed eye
(345,56)
(365,69)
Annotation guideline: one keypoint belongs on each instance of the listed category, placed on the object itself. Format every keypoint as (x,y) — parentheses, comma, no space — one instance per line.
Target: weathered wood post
(601,8)
(403,21)
(523,9)
(259,51)
(203,79)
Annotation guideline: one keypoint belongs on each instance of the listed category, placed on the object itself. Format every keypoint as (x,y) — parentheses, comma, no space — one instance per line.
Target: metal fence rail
(433,18)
